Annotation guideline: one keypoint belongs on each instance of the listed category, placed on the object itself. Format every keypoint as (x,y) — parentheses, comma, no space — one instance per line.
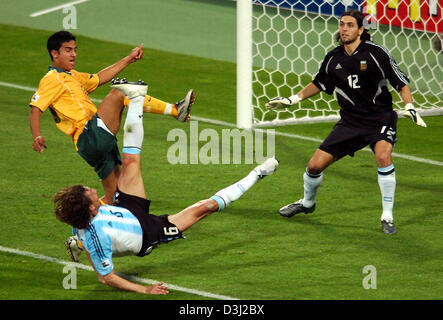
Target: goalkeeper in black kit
(358,71)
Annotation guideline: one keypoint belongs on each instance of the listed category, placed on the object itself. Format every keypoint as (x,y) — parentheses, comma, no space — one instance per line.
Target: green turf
(185,26)
(248,251)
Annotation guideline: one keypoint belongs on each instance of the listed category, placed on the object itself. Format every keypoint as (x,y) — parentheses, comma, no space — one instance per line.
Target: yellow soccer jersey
(66,94)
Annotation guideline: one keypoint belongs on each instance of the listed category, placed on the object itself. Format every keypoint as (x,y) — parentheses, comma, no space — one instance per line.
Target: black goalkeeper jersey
(359,81)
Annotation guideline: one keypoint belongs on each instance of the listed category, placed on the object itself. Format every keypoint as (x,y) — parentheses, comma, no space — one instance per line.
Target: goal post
(281,44)
(244,64)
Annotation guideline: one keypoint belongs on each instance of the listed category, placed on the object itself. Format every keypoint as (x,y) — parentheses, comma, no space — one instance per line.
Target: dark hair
(72,206)
(360,17)
(55,41)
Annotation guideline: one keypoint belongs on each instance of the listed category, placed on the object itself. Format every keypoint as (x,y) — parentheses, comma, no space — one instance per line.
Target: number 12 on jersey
(353,81)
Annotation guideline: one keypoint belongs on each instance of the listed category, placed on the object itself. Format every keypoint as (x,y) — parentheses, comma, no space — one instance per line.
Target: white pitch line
(42,12)
(138,279)
(232,125)
(16,86)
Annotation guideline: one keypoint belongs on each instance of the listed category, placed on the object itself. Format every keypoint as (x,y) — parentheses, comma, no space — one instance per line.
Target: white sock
(310,186)
(133,128)
(387,183)
(168,109)
(227,195)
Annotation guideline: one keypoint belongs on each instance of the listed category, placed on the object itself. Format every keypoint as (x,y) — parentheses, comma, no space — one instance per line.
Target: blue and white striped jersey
(113,232)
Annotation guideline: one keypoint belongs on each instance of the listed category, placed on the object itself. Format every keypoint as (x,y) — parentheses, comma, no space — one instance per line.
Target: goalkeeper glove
(413,114)
(279,102)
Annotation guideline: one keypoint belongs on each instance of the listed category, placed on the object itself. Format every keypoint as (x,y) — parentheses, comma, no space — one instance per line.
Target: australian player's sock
(227,195)
(387,183)
(311,182)
(154,105)
(133,128)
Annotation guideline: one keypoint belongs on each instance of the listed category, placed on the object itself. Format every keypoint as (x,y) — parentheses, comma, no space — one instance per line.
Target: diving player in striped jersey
(127,228)
(358,71)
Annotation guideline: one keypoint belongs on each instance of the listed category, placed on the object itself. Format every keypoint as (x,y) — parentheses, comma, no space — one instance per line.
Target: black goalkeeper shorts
(156,229)
(346,139)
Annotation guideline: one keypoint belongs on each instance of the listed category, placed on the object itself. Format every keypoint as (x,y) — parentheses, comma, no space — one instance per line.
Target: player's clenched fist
(39,144)
(136,53)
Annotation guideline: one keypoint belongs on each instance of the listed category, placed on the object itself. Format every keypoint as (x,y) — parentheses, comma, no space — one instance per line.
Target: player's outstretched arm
(283,102)
(118,282)
(34,121)
(112,71)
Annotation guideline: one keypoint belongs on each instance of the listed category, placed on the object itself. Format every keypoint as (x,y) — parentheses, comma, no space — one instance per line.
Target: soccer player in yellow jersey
(65,92)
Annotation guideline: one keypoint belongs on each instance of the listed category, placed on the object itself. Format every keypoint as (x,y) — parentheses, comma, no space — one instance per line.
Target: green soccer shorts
(98,146)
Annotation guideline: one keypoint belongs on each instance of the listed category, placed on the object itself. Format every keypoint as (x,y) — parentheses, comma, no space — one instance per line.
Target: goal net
(290,38)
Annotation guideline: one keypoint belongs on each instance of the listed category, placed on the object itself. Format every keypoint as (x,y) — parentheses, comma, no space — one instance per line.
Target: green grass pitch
(247,251)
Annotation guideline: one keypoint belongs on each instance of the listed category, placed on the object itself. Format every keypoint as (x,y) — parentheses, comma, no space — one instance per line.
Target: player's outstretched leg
(184,106)
(180,110)
(223,198)
(130,89)
(227,195)
(131,181)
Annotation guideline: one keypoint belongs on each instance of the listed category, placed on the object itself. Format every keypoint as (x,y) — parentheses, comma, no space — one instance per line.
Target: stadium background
(246,252)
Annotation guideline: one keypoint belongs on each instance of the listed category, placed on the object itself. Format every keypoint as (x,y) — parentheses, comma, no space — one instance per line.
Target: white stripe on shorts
(102,125)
